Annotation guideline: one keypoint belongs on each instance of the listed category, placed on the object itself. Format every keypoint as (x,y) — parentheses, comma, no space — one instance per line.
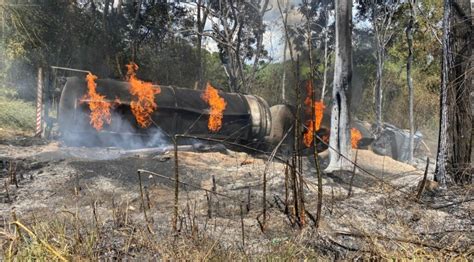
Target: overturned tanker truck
(247,119)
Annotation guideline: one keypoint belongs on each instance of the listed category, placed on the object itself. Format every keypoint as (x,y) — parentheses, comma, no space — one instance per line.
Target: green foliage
(86,36)
(176,64)
(425,72)
(16,115)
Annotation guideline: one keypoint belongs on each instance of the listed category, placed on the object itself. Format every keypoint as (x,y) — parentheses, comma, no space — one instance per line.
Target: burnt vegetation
(238,130)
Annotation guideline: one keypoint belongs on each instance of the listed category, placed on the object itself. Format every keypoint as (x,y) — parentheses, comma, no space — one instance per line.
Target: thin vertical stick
(209,205)
(320,192)
(349,193)
(248,199)
(147,195)
(13,177)
(143,202)
(96,218)
(242,225)
(423,182)
(286,188)
(176,185)
(383,171)
(296,162)
(214,188)
(7,192)
(264,201)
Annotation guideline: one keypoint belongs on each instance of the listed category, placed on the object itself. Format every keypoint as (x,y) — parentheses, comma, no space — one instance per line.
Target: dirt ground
(101,186)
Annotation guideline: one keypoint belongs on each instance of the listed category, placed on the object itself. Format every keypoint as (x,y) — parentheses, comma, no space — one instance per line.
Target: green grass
(16,116)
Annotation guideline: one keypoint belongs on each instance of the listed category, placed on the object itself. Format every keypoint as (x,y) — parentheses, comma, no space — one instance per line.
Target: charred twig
(176,185)
(143,203)
(264,201)
(214,188)
(7,192)
(209,197)
(209,209)
(270,159)
(96,217)
(147,195)
(286,189)
(248,200)
(12,173)
(242,225)
(423,182)
(288,214)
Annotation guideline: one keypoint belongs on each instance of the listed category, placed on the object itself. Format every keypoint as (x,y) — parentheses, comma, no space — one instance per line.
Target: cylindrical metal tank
(246,118)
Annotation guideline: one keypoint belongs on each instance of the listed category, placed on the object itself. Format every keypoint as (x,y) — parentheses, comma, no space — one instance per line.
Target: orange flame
(356,136)
(99,106)
(217,106)
(144,92)
(318,116)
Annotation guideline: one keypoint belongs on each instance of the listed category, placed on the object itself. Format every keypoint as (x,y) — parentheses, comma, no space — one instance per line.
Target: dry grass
(381,224)
(78,236)
(67,238)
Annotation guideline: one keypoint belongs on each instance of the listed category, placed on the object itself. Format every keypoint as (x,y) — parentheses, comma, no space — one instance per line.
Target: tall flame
(318,116)
(217,106)
(99,106)
(356,136)
(144,103)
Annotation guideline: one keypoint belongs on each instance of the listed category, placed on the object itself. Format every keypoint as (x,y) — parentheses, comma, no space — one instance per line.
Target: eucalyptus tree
(238,28)
(409,35)
(320,21)
(340,137)
(453,163)
(380,14)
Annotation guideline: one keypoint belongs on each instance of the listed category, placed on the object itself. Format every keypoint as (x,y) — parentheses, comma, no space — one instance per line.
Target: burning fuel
(144,103)
(312,124)
(99,106)
(356,136)
(217,106)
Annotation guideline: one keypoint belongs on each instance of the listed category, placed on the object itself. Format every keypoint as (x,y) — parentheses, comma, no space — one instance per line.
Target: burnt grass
(86,204)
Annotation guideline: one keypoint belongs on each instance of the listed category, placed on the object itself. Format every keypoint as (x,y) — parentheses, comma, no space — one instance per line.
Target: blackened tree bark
(409,34)
(455,134)
(340,139)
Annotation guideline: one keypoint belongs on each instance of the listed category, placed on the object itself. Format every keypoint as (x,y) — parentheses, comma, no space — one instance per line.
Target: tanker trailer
(246,118)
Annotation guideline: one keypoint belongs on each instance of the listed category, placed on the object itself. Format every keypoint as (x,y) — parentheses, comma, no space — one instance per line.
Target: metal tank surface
(246,118)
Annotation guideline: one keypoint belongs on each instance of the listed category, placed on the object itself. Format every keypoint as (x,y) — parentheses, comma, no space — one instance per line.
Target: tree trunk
(455,134)
(326,58)
(201,23)
(119,7)
(409,34)
(340,139)
(378,86)
(259,48)
(283,81)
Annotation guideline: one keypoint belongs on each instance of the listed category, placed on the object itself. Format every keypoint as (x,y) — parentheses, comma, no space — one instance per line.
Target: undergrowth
(16,115)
